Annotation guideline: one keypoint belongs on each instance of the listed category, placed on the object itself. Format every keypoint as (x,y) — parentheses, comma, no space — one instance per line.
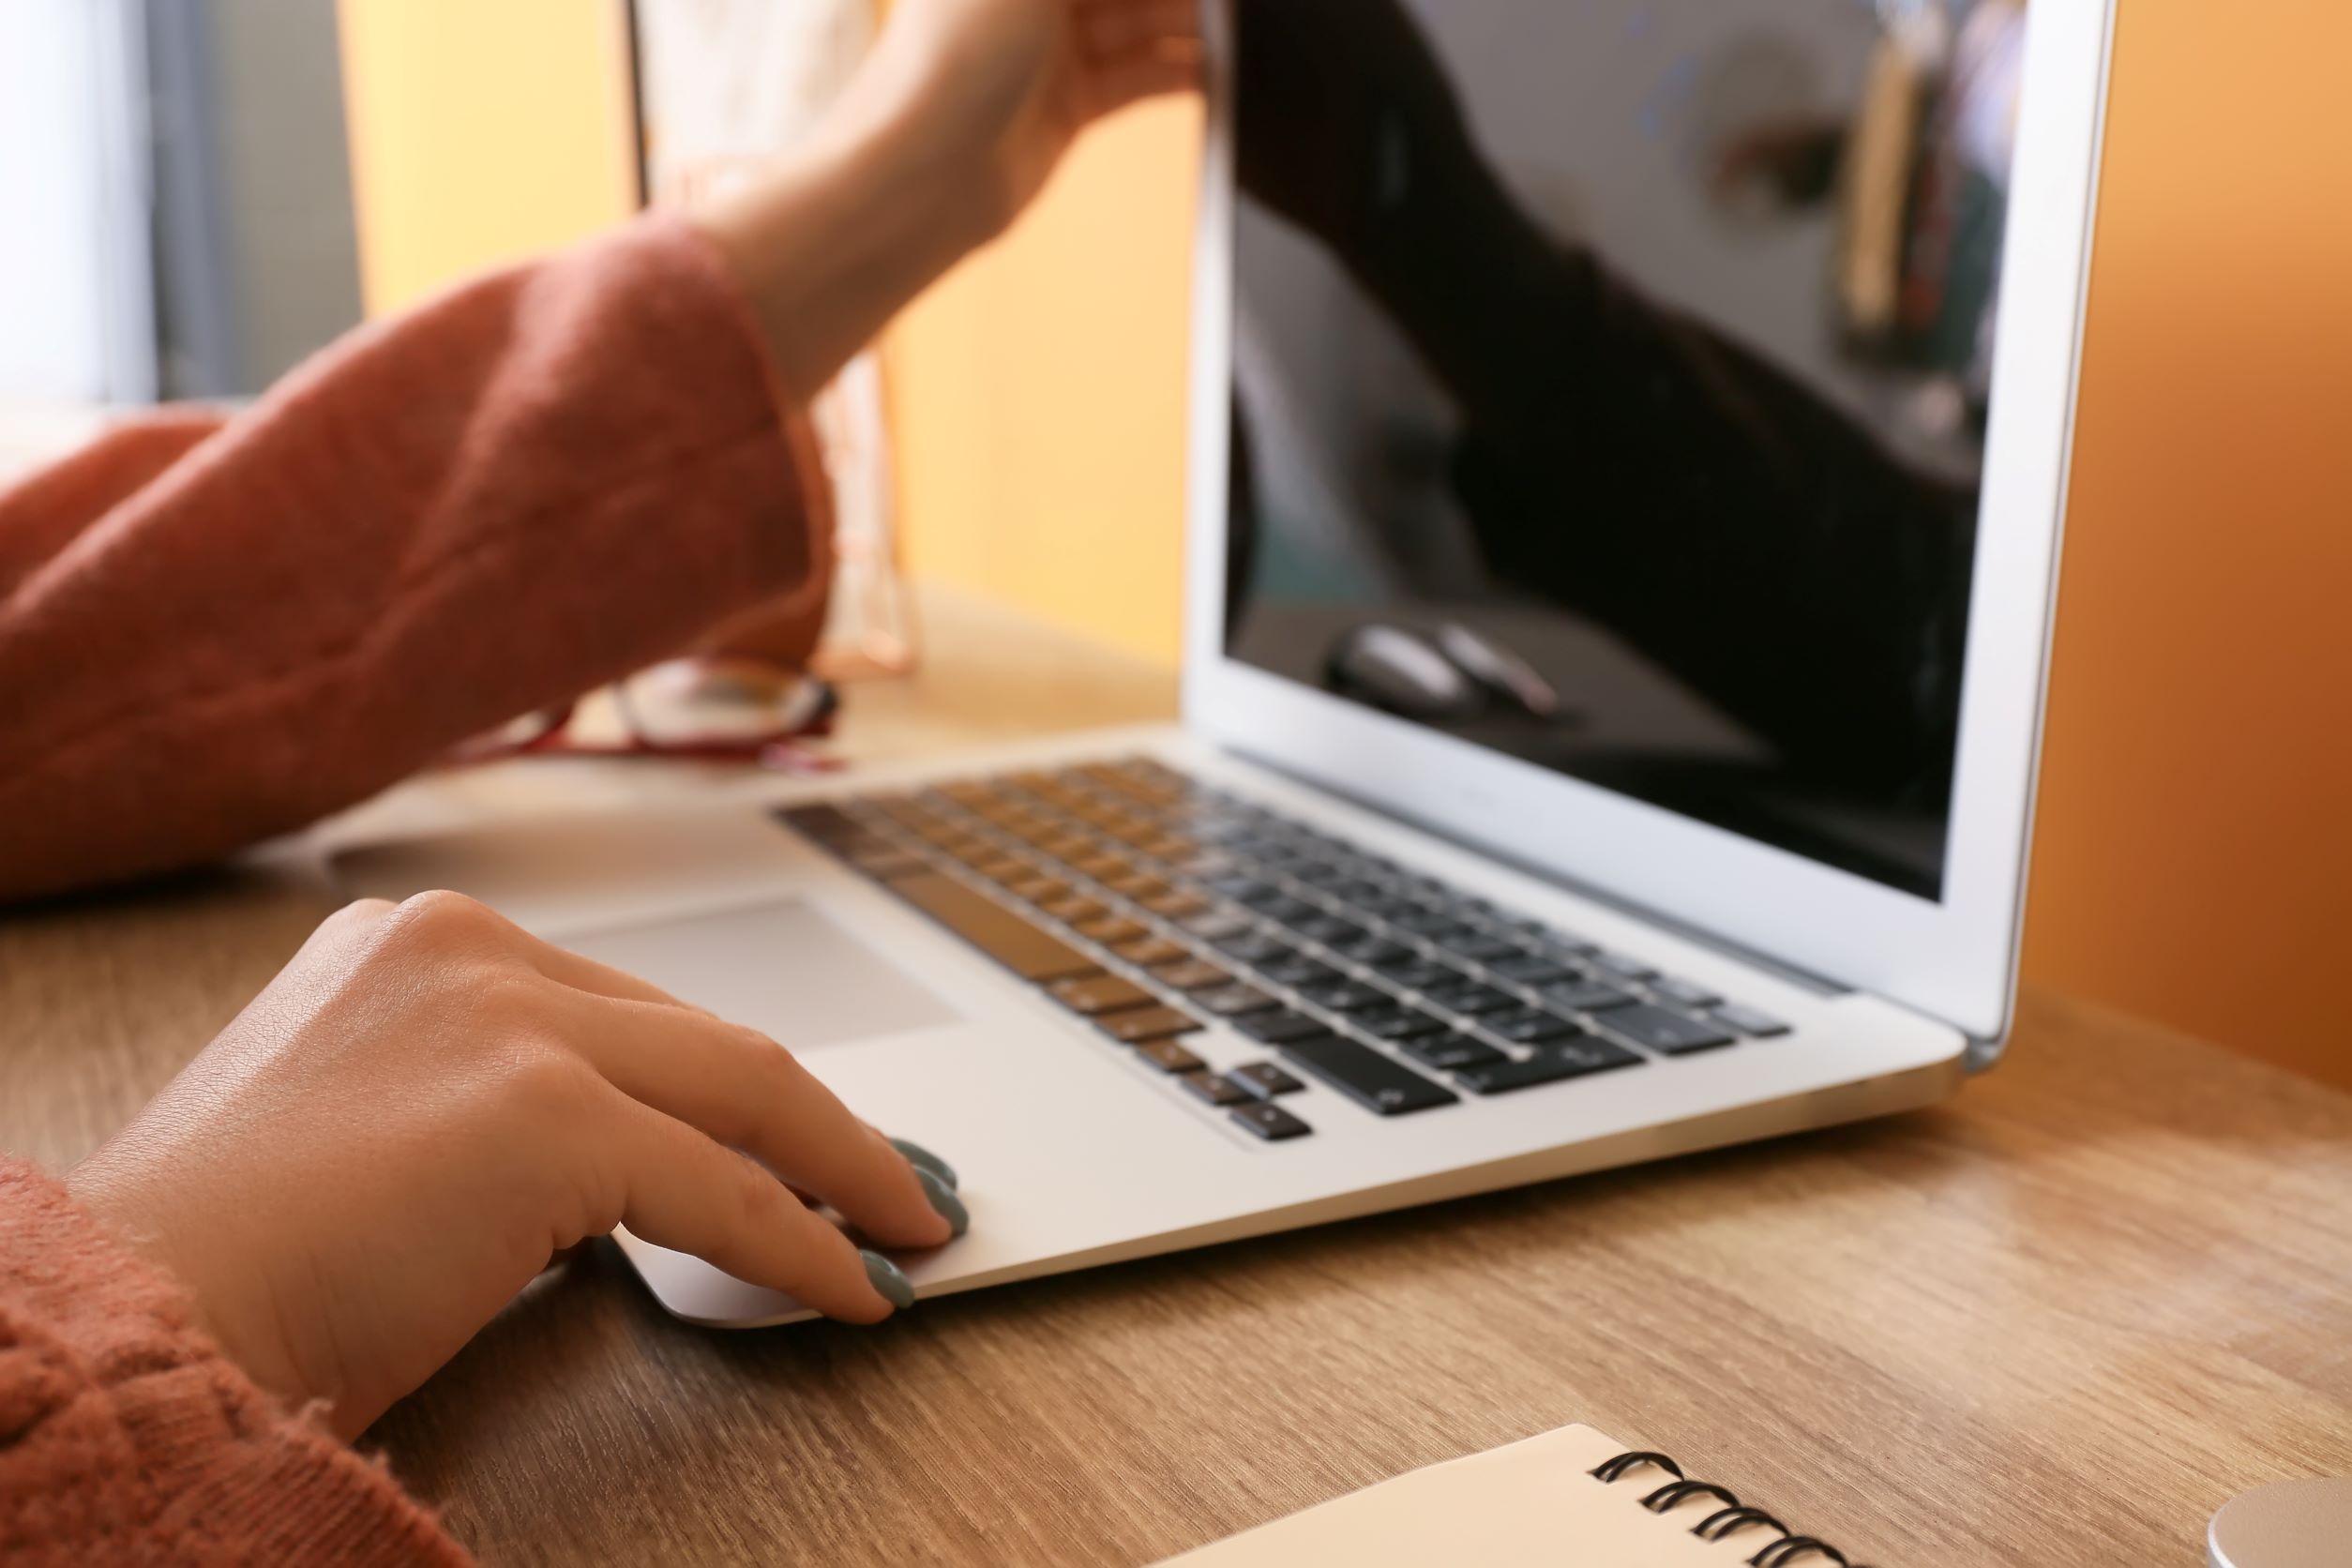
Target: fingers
(682,1191)
(744,1091)
(735,1086)
(567,967)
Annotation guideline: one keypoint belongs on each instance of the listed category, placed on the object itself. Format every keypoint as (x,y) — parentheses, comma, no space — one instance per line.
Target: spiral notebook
(1571,1497)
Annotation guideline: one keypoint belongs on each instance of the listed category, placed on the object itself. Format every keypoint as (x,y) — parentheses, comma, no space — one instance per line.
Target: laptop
(1628,443)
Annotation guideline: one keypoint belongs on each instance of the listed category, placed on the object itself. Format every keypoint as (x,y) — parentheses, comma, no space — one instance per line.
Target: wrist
(115,1193)
(833,240)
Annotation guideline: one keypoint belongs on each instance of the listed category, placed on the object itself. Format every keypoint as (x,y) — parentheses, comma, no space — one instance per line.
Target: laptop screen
(1610,382)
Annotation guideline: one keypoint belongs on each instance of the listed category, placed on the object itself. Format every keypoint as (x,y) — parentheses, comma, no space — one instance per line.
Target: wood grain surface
(2057,1321)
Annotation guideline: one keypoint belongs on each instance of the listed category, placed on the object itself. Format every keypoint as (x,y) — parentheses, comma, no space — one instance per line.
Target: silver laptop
(1628,447)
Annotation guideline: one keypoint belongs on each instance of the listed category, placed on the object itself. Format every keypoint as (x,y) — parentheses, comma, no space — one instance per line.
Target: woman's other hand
(428,1103)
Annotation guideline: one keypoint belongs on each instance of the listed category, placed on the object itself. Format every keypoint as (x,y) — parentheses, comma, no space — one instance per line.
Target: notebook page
(1530,1504)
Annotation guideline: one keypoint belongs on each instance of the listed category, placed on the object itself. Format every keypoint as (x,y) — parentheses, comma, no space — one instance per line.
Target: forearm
(533,485)
(832,243)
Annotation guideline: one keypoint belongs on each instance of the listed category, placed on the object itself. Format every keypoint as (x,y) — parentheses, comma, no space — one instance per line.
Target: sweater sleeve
(213,630)
(126,1436)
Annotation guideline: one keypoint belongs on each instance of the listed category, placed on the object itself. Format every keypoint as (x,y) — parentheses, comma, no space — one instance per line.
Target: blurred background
(199,192)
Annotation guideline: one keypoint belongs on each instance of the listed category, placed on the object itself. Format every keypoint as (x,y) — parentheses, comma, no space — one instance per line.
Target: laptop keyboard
(1150,903)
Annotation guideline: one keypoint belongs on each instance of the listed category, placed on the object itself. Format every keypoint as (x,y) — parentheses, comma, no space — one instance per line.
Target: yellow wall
(481,133)
(2194,854)
(1037,396)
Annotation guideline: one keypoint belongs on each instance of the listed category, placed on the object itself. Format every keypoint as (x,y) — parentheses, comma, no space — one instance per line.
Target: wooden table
(2056,1321)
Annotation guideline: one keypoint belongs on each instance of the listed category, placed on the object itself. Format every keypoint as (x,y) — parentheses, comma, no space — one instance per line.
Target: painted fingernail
(943,1198)
(888,1283)
(923,1159)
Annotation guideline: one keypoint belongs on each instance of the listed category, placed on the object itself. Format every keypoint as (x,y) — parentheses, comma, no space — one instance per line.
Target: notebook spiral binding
(1726,1521)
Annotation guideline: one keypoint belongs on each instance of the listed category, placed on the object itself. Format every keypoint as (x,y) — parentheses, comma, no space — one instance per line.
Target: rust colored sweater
(126,1436)
(213,630)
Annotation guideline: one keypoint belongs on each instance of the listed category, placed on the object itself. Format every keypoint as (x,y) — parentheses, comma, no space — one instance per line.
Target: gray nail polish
(943,1198)
(923,1159)
(887,1281)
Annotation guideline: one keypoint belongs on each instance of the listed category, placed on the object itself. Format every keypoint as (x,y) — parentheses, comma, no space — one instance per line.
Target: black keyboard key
(1747,1021)
(1265,1080)
(1097,994)
(1297,968)
(1558,940)
(1169,1056)
(1476,945)
(1373,950)
(1231,1001)
(1269,1122)
(1472,999)
(1419,974)
(1528,1025)
(1372,1080)
(1397,1023)
(1587,996)
(1531,969)
(1328,930)
(1387,906)
(1215,1087)
(1554,1064)
(1623,965)
(1284,908)
(1688,993)
(1254,947)
(1422,921)
(1275,1028)
(1032,954)
(1343,995)
(1448,1052)
(1672,1033)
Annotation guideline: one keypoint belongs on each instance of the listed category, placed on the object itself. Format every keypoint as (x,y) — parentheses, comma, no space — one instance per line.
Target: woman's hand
(947,132)
(428,1103)
(997,90)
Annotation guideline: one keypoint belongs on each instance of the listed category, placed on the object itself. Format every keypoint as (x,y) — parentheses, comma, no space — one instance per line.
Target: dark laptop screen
(1610,386)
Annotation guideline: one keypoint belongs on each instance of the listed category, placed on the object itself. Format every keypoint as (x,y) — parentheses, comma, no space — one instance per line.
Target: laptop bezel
(1955,958)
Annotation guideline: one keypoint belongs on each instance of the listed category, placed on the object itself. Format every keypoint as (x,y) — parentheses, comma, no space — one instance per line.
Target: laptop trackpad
(782,968)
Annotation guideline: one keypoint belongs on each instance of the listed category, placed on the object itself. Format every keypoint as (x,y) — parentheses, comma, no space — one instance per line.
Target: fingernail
(943,1198)
(923,1159)
(888,1283)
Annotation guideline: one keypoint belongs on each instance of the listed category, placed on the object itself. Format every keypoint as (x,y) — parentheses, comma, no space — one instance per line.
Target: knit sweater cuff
(126,1435)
